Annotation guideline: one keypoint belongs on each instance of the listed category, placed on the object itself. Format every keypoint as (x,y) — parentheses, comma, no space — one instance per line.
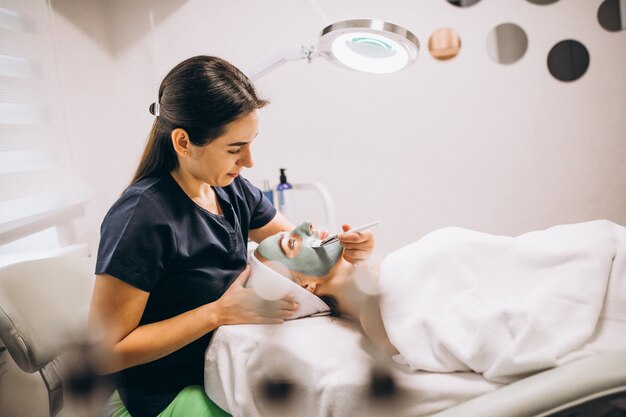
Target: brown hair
(201,95)
(332,303)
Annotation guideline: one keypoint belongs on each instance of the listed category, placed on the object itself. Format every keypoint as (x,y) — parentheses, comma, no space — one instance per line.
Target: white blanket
(505,307)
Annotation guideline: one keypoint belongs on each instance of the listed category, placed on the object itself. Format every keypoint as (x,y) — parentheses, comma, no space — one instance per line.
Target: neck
(198,191)
(340,284)
(361,307)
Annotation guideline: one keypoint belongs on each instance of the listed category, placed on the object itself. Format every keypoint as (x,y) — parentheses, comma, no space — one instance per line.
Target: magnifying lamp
(366,45)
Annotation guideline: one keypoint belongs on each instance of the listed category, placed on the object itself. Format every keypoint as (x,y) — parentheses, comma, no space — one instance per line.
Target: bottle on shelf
(284,193)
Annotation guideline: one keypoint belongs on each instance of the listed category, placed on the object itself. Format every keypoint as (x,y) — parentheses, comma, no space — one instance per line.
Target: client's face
(298,250)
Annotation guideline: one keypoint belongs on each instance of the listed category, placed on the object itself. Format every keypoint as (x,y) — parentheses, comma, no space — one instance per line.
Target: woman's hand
(239,305)
(358,246)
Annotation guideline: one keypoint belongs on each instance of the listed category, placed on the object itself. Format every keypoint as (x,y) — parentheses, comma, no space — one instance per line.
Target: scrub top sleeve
(261,210)
(136,242)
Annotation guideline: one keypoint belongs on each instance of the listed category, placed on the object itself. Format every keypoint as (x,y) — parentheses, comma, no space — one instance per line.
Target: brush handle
(334,238)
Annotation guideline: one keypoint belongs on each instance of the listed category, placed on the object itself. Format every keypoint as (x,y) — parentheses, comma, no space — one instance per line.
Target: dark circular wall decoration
(611,15)
(507,43)
(462,3)
(542,2)
(568,60)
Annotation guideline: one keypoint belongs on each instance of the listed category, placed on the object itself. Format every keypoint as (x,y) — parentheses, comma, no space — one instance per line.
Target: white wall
(87,69)
(467,142)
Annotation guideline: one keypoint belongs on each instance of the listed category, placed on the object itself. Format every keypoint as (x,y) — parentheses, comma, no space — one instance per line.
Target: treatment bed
(321,366)
(525,326)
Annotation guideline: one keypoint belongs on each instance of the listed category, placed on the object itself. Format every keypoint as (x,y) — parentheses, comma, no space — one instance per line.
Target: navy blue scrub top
(157,239)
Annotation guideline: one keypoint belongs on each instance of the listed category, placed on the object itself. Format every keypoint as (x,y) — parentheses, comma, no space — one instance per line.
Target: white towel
(459,300)
(327,362)
(271,285)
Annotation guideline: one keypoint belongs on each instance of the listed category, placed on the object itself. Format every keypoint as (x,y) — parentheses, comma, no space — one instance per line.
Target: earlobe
(180,141)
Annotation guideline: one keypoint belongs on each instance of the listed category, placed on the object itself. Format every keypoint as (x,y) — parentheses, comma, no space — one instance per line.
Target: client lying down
(459,300)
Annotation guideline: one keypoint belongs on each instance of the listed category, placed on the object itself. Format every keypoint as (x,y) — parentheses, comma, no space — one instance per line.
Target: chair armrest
(44,304)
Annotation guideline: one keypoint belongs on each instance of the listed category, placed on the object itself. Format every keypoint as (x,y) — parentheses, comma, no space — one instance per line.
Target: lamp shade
(368,45)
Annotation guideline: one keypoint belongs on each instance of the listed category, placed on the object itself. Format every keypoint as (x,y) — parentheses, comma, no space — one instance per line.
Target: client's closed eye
(289,245)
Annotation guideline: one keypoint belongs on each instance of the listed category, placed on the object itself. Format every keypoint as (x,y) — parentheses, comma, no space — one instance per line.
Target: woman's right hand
(240,305)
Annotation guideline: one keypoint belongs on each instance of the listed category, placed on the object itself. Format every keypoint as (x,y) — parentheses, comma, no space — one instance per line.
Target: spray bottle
(283,193)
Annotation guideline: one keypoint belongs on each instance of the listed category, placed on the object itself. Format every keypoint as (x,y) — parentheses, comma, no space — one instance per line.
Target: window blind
(39,188)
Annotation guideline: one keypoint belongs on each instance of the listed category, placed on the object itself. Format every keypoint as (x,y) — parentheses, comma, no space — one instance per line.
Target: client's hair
(332,303)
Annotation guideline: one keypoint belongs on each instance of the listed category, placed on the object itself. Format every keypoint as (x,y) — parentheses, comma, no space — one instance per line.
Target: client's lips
(233,175)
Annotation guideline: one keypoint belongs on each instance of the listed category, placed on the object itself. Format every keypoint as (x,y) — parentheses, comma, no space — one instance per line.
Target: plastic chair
(44,306)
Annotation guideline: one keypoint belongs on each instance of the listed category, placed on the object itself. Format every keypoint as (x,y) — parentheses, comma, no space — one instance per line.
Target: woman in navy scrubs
(172,256)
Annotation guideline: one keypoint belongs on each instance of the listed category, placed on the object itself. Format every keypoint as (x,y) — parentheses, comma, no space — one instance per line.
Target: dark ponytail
(201,95)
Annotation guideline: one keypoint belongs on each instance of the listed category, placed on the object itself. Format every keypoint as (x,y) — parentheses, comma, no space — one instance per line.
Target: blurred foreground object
(44,305)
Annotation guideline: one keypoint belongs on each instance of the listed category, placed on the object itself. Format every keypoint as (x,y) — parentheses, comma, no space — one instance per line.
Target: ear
(181,142)
(310,286)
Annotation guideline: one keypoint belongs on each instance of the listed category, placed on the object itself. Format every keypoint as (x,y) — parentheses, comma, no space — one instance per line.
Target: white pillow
(271,285)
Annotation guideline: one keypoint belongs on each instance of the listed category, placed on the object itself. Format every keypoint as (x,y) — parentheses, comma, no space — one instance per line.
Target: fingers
(241,305)
(355,256)
(357,242)
(353,248)
(288,306)
(265,320)
(276,309)
(284,308)
(356,237)
(358,246)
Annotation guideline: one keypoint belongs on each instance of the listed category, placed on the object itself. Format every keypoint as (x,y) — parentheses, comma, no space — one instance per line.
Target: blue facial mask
(316,261)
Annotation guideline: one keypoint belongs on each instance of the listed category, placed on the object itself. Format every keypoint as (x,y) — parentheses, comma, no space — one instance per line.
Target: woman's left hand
(357,246)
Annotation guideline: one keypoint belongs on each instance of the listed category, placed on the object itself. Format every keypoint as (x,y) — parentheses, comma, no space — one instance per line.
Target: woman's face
(292,255)
(221,161)
(299,250)
(320,272)
(310,283)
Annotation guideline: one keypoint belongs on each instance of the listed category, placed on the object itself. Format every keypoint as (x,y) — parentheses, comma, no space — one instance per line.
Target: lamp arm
(327,200)
(290,53)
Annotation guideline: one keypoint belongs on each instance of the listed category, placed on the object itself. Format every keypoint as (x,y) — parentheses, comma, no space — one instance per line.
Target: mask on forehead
(316,262)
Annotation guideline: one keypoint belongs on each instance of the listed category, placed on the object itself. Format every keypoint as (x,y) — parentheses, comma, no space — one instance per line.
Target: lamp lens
(371,48)
(370,52)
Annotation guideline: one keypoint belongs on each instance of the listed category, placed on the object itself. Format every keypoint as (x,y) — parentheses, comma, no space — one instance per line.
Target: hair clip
(155,109)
